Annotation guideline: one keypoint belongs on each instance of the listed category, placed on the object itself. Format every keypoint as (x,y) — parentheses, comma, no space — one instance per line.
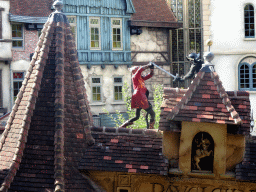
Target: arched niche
(202,153)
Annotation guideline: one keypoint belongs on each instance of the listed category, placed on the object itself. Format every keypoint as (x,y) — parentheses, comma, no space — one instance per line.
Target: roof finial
(58,4)
(208,56)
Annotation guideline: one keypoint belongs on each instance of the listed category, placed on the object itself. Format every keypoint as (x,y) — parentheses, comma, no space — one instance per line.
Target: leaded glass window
(177,9)
(72,23)
(95,33)
(249,21)
(185,40)
(17,35)
(18,78)
(116,25)
(247,74)
(244,76)
(118,86)
(96,89)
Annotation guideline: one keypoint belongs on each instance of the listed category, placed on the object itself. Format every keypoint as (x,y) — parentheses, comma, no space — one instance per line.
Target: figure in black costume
(194,68)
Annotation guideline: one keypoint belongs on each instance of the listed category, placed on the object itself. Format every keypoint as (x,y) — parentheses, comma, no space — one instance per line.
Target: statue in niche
(202,152)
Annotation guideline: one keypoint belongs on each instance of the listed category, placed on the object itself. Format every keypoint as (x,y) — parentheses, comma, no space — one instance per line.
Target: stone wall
(152,45)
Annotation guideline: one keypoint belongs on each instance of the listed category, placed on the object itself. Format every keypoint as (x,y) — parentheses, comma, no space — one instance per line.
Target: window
(177,9)
(249,21)
(95,33)
(18,77)
(17,35)
(116,25)
(123,189)
(96,89)
(202,153)
(118,86)
(72,23)
(187,39)
(247,76)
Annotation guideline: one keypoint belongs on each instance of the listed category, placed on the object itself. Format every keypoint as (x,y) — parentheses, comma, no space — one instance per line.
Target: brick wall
(30,41)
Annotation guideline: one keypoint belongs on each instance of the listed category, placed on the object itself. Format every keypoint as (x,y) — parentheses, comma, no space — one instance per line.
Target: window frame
(250,66)
(14,80)
(73,25)
(121,33)
(96,85)
(123,188)
(249,23)
(118,84)
(99,29)
(18,38)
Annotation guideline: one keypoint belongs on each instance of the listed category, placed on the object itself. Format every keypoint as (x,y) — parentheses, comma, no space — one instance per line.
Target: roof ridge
(28,106)
(127,131)
(187,96)
(225,99)
(59,106)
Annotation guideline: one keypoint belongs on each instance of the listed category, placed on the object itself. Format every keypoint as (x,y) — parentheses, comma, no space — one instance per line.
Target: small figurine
(140,95)
(195,67)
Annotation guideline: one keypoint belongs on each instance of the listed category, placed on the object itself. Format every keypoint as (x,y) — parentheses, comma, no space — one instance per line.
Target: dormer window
(249,21)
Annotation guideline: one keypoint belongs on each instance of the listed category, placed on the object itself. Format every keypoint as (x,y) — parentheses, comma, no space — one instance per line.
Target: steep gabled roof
(153,13)
(205,101)
(126,150)
(49,126)
(33,8)
(30,11)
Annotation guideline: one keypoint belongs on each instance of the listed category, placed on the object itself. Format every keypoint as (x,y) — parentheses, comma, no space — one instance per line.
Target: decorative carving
(124,180)
(202,148)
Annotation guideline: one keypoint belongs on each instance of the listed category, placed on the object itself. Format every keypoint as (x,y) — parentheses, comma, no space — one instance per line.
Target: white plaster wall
(5,47)
(227,27)
(229,44)
(6,33)
(107,75)
(5,85)
(5,52)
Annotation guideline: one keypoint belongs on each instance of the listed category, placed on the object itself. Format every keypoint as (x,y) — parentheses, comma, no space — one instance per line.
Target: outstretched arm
(151,66)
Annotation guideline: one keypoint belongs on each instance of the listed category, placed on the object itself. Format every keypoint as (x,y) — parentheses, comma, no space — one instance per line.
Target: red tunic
(139,98)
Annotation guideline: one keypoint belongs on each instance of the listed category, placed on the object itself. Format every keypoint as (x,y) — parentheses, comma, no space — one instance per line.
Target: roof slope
(205,101)
(35,8)
(247,168)
(125,150)
(153,13)
(48,128)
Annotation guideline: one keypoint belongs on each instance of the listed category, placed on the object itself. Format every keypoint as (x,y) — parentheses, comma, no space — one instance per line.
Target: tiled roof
(49,126)
(246,170)
(35,8)
(205,101)
(153,13)
(125,150)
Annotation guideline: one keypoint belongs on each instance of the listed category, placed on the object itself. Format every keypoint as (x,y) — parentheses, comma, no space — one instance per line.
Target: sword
(175,77)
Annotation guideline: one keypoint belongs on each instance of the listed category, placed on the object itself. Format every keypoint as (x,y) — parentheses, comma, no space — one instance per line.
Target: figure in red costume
(140,94)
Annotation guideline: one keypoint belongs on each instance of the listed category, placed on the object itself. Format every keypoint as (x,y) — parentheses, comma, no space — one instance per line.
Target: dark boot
(151,125)
(125,124)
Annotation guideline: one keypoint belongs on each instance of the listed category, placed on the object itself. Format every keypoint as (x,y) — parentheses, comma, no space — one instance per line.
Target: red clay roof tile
(38,143)
(153,13)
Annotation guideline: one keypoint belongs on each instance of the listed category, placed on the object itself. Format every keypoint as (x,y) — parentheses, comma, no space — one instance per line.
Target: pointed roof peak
(207,98)
(50,120)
